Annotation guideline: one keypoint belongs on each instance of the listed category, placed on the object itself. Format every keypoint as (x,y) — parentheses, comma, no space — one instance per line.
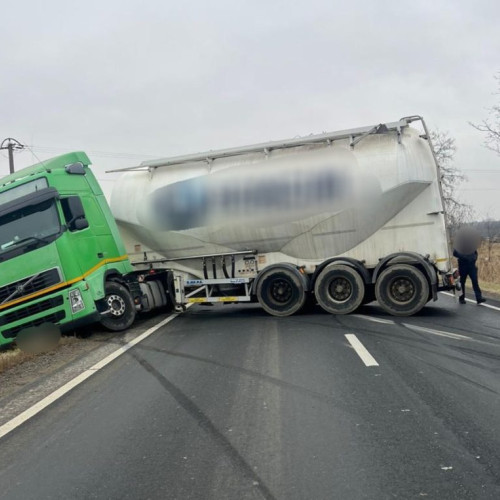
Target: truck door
(83,247)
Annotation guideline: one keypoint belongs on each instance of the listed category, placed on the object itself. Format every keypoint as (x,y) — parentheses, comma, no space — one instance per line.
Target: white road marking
(375,320)
(54,396)
(450,335)
(361,351)
(489,306)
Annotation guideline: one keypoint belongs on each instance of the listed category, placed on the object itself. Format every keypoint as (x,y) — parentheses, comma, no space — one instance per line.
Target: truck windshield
(28,228)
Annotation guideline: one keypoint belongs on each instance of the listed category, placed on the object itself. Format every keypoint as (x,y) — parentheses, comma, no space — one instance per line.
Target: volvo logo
(19,289)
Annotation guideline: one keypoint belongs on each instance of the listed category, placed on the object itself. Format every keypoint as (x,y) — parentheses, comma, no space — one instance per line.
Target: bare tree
(491,125)
(457,212)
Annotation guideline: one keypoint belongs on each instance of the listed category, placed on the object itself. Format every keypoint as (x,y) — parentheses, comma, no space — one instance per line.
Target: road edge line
(489,306)
(74,382)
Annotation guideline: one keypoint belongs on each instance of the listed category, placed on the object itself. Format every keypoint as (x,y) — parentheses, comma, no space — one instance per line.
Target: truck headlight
(76,300)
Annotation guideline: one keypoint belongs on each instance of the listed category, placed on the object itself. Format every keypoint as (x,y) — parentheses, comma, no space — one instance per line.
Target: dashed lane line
(361,350)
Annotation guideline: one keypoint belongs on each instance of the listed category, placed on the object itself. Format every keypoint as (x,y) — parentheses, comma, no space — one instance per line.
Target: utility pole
(10,144)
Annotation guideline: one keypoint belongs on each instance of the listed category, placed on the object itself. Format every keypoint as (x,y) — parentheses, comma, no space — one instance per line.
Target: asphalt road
(230,403)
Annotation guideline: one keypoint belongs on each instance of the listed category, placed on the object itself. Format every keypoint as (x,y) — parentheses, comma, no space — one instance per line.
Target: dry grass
(486,286)
(488,264)
(13,356)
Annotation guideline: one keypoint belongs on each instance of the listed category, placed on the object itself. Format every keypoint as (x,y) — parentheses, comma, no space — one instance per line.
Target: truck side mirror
(75,168)
(81,223)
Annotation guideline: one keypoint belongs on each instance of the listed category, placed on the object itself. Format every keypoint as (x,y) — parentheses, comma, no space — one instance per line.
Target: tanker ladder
(206,291)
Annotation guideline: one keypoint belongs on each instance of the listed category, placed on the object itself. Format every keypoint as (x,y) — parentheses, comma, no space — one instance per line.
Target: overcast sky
(128,80)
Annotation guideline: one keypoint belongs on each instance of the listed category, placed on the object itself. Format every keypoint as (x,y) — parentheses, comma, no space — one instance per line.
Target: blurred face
(467,240)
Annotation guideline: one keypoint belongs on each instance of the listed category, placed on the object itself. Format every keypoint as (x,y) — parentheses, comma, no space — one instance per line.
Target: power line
(482,170)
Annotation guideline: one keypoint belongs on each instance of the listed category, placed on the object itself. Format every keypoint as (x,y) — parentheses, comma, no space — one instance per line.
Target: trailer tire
(402,290)
(339,289)
(121,307)
(281,292)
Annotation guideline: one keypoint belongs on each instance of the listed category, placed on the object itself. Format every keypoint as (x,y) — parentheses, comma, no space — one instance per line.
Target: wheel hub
(340,289)
(116,305)
(402,289)
(281,291)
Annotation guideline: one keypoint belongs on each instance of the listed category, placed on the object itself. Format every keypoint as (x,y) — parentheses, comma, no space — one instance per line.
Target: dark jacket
(466,258)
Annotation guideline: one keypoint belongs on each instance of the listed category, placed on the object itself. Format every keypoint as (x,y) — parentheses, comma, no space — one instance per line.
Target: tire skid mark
(324,398)
(207,425)
(420,341)
(461,377)
(474,352)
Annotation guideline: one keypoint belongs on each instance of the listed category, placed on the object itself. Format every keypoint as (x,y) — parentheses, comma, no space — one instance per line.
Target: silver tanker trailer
(340,218)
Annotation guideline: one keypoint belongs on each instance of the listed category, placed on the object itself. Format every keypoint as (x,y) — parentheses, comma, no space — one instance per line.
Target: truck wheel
(121,308)
(402,290)
(339,289)
(281,292)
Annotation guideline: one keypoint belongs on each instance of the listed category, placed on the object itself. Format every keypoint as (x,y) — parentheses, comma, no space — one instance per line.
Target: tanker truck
(338,219)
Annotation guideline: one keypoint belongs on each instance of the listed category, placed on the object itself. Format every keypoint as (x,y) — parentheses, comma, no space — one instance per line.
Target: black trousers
(469,269)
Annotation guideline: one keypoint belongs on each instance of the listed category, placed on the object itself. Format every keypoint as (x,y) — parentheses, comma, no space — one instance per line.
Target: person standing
(466,244)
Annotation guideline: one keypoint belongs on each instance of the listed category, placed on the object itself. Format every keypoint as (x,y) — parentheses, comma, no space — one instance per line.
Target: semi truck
(339,219)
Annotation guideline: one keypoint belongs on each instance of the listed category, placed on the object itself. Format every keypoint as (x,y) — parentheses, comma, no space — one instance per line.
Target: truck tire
(121,308)
(281,292)
(339,289)
(402,290)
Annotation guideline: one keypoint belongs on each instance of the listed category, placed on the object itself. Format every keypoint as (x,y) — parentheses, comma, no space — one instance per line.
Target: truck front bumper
(53,308)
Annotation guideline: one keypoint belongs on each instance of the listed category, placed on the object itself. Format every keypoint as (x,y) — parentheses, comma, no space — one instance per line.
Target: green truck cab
(62,259)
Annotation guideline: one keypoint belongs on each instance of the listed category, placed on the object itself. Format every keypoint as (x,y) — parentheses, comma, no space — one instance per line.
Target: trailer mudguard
(409,258)
(347,261)
(303,277)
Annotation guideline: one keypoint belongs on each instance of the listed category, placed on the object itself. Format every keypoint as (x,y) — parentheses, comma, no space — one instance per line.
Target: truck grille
(51,318)
(31,310)
(30,285)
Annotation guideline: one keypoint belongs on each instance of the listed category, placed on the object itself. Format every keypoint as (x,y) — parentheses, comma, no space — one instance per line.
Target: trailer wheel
(281,292)
(339,289)
(402,290)
(120,306)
